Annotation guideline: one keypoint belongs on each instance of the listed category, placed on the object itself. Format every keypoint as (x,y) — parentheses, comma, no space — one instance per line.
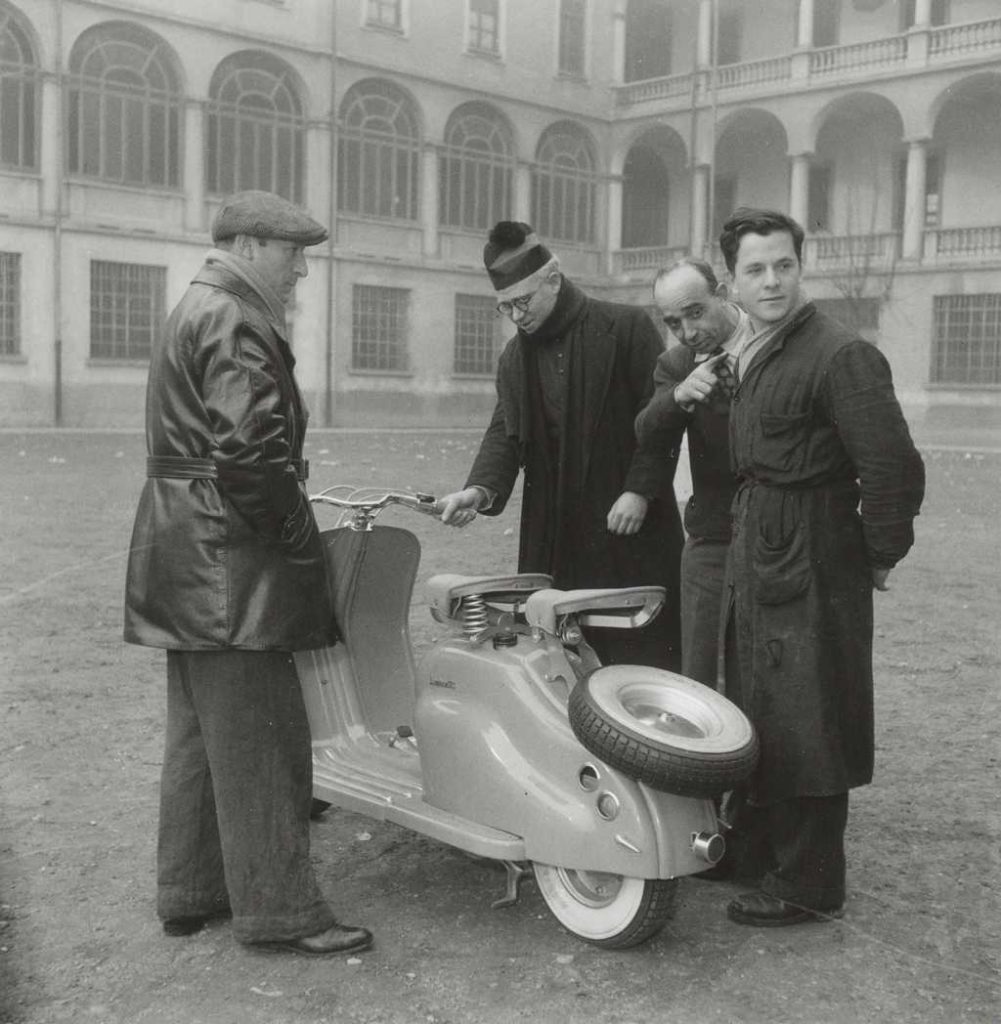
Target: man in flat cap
(226,572)
(598,510)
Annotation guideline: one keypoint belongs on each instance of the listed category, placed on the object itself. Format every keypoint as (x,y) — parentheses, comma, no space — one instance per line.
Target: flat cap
(266,215)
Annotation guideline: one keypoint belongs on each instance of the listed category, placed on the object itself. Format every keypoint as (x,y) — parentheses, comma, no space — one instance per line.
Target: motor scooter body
(496,769)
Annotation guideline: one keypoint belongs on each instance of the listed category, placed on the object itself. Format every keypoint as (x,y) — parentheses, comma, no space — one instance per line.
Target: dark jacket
(230,556)
(567,494)
(663,422)
(829,483)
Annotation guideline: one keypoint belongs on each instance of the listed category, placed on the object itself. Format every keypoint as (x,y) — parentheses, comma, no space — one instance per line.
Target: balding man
(693,388)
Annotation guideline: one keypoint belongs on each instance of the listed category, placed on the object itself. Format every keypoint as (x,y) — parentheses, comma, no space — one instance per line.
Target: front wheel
(607,910)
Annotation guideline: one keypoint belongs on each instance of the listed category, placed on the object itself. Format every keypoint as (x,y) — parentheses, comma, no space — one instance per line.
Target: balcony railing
(633,261)
(754,72)
(963,39)
(962,244)
(854,60)
(852,253)
(654,89)
(875,53)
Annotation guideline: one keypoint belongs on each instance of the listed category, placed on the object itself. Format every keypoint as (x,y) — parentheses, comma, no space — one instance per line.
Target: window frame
(397,155)
(478,313)
(113,93)
(547,175)
(396,345)
(24,76)
(475,49)
(231,122)
(495,160)
(401,26)
(989,352)
(106,306)
(578,18)
(10,305)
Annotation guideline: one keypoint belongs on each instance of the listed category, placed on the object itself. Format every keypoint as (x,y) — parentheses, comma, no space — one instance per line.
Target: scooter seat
(446,590)
(618,608)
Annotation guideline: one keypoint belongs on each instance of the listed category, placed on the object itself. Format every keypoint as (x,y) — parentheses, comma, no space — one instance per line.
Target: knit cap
(512,253)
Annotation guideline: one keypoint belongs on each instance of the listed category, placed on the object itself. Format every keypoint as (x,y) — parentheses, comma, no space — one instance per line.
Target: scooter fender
(497,748)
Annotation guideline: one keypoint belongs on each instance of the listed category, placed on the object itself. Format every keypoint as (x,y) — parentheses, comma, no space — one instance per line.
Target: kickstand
(515,873)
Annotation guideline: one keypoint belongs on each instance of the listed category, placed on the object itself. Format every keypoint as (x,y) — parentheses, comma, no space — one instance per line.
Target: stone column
(194,166)
(914,199)
(619,43)
(50,143)
(523,193)
(704,45)
(799,189)
(318,169)
(429,201)
(700,209)
(613,237)
(922,13)
(804,39)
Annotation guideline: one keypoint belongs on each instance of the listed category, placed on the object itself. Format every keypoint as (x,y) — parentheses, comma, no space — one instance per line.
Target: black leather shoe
(338,938)
(758,908)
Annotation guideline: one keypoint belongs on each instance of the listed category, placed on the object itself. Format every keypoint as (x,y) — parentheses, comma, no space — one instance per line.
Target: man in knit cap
(227,573)
(598,510)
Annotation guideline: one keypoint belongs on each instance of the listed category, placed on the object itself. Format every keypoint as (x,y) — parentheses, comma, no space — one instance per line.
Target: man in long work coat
(829,483)
(598,510)
(227,573)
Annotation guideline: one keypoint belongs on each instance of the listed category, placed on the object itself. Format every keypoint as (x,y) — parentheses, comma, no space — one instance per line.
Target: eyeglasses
(507,307)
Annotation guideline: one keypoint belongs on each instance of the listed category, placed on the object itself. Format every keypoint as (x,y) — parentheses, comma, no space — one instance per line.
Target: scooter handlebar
(371,505)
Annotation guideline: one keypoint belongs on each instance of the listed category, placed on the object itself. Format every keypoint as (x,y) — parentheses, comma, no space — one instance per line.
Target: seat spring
(474,615)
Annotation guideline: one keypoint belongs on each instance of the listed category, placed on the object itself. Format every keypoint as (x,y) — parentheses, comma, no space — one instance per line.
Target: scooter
(512,742)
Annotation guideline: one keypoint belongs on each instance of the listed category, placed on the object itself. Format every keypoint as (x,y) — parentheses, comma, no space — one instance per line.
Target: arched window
(18,91)
(563,185)
(124,107)
(476,169)
(378,152)
(255,128)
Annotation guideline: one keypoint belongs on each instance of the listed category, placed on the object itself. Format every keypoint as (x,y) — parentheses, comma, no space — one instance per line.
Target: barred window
(124,107)
(476,169)
(572,17)
(256,131)
(18,94)
(379,328)
(484,20)
(966,345)
(384,13)
(476,334)
(10,303)
(564,185)
(378,152)
(127,303)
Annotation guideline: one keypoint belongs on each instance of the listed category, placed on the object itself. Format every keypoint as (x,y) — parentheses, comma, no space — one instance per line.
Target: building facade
(624,130)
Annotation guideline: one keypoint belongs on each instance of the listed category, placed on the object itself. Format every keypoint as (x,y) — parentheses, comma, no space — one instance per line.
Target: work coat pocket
(781,570)
(781,442)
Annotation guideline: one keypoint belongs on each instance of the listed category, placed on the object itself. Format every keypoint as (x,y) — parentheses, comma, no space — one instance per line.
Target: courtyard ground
(80,753)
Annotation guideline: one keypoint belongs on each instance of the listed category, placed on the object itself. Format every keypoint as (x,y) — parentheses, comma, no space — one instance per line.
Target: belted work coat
(225,549)
(829,483)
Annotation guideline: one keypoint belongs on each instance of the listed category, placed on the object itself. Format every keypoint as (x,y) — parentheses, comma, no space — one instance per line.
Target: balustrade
(957,39)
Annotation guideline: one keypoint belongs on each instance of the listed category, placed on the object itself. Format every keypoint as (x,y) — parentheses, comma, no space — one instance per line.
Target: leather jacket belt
(178,467)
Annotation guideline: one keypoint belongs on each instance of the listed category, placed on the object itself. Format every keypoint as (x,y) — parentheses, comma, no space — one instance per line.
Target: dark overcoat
(567,495)
(225,550)
(829,482)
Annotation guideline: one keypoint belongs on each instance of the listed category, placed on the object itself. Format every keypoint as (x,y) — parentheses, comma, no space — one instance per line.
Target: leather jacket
(225,549)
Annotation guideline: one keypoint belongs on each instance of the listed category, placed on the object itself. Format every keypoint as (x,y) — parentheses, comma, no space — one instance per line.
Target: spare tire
(665,730)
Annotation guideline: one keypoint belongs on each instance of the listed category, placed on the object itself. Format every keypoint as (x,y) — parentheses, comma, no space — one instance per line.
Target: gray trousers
(235,796)
(703,565)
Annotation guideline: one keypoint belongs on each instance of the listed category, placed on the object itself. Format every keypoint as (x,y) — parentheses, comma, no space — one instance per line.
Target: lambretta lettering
(448,684)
